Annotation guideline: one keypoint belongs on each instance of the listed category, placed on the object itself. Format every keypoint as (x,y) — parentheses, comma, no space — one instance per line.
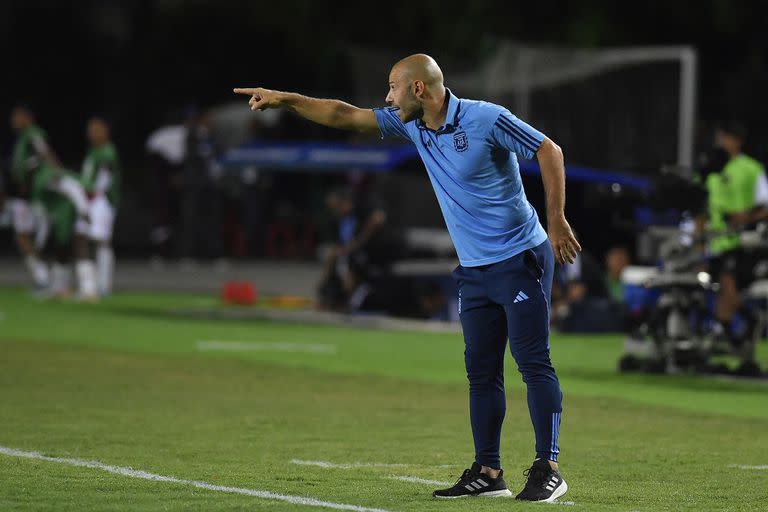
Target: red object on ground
(239,292)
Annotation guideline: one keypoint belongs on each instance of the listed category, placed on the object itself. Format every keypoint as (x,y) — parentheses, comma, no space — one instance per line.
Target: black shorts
(739,263)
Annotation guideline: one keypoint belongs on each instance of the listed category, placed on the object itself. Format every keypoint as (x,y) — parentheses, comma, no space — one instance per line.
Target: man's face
(401,95)
(97,132)
(20,119)
(727,141)
(616,260)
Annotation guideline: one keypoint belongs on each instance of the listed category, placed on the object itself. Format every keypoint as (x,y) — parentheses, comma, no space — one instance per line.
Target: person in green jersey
(30,151)
(738,198)
(100,177)
(60,193)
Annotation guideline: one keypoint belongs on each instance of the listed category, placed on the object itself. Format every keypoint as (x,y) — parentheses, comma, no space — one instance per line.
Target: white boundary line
(742,466)
(144,475)
(349,465)
(354,465)
(259,346)
(418,480)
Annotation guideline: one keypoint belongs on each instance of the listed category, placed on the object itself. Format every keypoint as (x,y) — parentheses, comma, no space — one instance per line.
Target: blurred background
(212,194)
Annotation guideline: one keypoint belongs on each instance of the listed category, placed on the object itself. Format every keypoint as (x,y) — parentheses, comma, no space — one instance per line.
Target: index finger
(576,243)
(250,91)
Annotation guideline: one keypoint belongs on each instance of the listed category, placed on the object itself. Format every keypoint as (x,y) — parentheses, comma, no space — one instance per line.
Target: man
(738,198)
(30,152)
(362,241)
(166,151)
(62,196)
(201,225)
(588,298)
(616,260)
(470,149)
(101,180)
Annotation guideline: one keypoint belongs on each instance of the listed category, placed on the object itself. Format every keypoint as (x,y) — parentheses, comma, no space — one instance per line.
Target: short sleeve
(511,133)
(389,124)
(761,190)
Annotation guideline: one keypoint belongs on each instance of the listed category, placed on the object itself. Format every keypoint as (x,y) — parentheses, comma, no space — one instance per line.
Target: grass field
(238,404)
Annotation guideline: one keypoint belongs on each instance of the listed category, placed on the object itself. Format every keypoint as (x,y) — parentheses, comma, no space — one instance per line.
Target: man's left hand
(564,244)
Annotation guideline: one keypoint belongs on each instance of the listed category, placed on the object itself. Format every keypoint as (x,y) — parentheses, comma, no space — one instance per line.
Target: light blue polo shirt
(472,164)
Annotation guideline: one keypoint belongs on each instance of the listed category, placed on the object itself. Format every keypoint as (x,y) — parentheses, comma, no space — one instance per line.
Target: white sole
(559,491)
(490,494)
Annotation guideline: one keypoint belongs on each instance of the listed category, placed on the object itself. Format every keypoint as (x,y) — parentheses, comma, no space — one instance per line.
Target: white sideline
(350,465)
(144,475)
(246,346)
(741,466)
(418,480)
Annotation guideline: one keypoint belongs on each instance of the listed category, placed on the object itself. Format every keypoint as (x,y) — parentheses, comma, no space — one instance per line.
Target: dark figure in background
(165,147)
(256,201)
(200,193)
(589,298)
(574,284)
(397,296)
(616,260)
(364,240)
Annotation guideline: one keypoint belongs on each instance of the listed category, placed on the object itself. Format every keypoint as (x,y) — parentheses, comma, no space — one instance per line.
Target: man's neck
(435,110)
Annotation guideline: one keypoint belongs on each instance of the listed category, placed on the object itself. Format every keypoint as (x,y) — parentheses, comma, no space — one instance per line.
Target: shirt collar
(451,116)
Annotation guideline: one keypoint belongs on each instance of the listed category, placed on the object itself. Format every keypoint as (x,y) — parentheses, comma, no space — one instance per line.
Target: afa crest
(460,141)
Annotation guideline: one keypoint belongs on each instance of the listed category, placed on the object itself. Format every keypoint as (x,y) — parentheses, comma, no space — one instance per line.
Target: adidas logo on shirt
(521,296)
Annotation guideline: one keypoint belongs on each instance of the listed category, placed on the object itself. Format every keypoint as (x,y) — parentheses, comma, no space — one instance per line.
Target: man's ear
(418,87)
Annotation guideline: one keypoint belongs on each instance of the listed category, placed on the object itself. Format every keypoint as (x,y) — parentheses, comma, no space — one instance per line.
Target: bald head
(415,87)
(420,67)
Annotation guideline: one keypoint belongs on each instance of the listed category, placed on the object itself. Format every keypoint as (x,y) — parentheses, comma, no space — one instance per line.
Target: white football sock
(86,278)
(105,265)
(60,278)
(38,269)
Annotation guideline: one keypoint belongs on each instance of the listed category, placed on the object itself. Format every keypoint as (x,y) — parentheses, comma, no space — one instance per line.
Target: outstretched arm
(332,113)
(552,166)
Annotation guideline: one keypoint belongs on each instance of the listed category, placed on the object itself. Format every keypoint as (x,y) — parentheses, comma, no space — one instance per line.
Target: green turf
(124,383)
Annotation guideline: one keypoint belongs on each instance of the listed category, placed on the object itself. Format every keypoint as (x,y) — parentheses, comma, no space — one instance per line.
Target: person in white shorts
(30,151)
(100,177)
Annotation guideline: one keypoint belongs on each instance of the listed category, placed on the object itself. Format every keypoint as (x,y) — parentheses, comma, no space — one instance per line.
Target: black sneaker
(544,483)
(474,483)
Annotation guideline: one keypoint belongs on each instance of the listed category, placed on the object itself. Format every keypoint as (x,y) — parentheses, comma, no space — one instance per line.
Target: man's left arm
(517,136)
(552,166)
